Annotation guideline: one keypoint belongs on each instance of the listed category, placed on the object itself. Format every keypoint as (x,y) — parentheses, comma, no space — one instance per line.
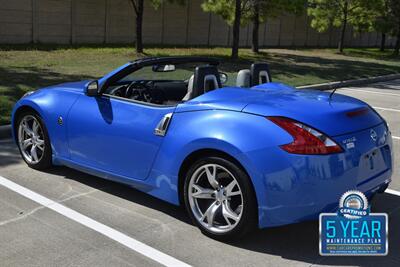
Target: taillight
(306,140)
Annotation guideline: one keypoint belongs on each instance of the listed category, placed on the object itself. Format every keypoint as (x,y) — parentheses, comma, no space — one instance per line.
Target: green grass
(24,68)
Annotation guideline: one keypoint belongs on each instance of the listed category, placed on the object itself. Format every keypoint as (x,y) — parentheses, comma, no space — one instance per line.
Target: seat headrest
(190,89)
(260,74)
(243,78)
(206,78)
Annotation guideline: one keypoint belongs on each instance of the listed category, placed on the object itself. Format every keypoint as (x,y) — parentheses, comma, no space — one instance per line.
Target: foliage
(267,8)
(273,9)
(340,13)
(326,13)
(254,11)
(156,4)
(224,8)
(387,16)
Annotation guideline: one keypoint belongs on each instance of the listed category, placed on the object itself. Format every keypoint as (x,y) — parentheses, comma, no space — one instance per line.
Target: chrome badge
(350,142)
(373,135)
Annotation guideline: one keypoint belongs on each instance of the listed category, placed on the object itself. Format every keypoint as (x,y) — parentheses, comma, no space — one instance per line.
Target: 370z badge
(353,230)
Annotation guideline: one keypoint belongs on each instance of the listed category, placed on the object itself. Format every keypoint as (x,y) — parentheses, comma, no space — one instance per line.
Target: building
(113,21)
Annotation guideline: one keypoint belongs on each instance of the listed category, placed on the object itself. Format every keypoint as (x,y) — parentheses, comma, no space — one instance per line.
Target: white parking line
(392,192)
(387,109)
(372,92)
(396,137)
(105,230)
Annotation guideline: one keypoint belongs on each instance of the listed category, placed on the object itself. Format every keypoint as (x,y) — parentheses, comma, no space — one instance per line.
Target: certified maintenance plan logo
(353,230)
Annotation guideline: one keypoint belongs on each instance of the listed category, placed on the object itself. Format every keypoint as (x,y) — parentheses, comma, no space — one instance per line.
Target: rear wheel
(220,199)
(33,140)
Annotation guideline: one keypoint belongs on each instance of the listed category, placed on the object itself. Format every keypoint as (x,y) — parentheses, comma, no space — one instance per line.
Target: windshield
(181,72)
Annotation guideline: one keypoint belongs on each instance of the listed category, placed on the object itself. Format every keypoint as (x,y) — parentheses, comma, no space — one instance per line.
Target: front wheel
(33,140)
(220,199)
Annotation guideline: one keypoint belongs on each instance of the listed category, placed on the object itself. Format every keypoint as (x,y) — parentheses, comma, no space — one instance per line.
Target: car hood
(70,86)
(334,116)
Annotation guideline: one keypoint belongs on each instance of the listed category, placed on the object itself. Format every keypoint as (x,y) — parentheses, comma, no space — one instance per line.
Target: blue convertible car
(258,154)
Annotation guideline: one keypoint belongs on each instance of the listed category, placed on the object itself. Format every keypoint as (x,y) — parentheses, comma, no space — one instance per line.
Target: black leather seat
(260,74)
(206,78)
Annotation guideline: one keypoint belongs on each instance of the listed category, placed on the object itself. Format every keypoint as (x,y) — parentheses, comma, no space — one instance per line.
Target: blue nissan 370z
(258,154)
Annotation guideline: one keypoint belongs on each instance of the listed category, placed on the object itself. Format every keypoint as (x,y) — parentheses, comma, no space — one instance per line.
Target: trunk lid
(333,116)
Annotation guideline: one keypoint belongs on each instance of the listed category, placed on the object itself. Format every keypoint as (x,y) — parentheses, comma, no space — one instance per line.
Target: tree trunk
(344,24)
(342,37)
(383,41)
(256,26)
(236,30)
(139,24)
(397,46)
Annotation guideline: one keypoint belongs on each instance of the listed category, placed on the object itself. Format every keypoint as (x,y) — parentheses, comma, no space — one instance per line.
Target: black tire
(46,160)
(248,220)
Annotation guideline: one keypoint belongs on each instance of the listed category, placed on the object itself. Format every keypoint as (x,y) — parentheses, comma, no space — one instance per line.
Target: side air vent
(162,126)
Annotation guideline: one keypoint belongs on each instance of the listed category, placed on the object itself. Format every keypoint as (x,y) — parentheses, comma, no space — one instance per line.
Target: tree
(381,22)
(138,8)
(231,11)
(236,29)
(394,17)
(261,10)
(387,21)
(241,12)
(340,13)
(256,25)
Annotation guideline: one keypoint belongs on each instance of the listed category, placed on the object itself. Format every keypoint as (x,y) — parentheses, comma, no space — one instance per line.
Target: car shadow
(120,190)
(300,241)
(9,154)
(297,242)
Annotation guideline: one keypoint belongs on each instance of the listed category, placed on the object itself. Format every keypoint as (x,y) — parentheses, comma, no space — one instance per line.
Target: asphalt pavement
(88,221)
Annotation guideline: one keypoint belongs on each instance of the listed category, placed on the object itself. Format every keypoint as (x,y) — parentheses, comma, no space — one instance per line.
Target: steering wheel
(119,91)
(140,91)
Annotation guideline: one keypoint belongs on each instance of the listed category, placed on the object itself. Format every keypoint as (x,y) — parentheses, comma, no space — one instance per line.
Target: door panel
(115,135)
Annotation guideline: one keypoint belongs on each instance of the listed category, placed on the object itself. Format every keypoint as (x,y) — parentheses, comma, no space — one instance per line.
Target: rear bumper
(310,202)
(294,188)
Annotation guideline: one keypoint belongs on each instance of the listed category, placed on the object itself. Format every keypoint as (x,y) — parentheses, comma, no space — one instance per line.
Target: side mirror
(92,89)
(223,77)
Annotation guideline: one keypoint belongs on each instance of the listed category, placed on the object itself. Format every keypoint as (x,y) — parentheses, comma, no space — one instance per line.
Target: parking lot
(84,220)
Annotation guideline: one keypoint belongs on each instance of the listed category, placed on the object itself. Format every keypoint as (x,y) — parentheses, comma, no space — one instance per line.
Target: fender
(51,104)
(187,134)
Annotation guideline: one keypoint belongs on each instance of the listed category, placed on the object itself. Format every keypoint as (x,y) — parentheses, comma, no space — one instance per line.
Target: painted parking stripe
(372,92)
(392,192)
(396,137)
(387,109)
(105,230)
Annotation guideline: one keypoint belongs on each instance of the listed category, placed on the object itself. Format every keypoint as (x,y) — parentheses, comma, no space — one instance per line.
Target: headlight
(27,93)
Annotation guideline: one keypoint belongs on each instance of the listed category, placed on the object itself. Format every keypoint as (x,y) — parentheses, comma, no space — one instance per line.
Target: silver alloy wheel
(215,198)
(31,139)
